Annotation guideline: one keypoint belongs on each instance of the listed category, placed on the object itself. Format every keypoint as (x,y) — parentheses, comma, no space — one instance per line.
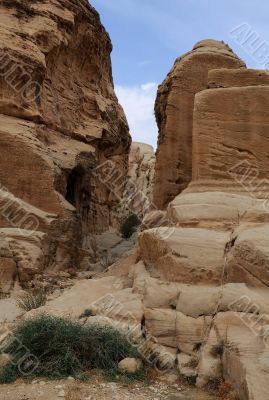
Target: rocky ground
(98,389)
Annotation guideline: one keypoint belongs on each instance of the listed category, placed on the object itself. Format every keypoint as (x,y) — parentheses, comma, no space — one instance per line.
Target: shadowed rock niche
(60,120)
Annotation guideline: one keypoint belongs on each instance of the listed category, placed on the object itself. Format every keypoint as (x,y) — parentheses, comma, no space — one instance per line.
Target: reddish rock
(60,120)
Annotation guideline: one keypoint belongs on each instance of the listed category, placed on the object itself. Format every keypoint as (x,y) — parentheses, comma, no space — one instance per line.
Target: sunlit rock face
(174,114)
(60,120)
(208,265)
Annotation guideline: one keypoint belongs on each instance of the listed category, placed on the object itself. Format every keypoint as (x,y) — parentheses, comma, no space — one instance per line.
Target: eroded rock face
(60,120)
(174,115)
(137,197)
(206,292)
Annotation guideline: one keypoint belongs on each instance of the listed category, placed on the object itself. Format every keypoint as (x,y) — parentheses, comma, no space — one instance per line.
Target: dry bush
(32,301)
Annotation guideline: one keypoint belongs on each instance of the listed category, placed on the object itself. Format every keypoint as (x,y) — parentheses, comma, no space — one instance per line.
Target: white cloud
(143,63)
(138,103)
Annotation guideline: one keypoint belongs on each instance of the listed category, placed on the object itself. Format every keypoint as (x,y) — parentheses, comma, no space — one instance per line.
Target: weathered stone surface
(209,209)
(237,77)
(233,157)
(137,196)
(8,267)
(249,258)
(174,114)
(209,264)
(185,255)
(141,167)
(161,324)
(60,120)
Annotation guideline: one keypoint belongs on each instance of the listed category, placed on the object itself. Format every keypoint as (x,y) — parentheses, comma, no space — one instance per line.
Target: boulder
(130,365)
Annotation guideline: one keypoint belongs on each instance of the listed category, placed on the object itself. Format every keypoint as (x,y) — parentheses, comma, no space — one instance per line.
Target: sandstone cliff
(60,120)
(174,115)
(210,261)
(137,196)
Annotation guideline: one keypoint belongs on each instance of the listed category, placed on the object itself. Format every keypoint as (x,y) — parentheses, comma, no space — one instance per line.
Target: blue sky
(148,35)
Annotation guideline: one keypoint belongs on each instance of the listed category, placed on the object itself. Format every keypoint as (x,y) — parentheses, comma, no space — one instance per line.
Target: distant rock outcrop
(174,115)
(137,197)
(60,120)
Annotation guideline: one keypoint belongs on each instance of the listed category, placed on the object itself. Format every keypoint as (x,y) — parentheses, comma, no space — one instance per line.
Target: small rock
(130,365)
(61,393)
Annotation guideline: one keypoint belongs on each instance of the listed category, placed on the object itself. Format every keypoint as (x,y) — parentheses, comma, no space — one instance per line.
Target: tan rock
(191,332)
(237,77)
(8,268)
(246,353)
(225,159)
(174,114)
(209,209)
(104,297)
(155,219)
(61,128)
(161,326)
(249,258)
(130,365)
(137,197)
(185,255)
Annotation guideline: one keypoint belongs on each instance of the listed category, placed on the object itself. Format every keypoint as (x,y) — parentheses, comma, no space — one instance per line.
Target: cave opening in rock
(78,190)
(72,184)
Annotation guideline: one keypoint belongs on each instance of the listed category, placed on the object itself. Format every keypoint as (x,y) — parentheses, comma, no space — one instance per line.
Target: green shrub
(32,301)
(129,226)
(66,348)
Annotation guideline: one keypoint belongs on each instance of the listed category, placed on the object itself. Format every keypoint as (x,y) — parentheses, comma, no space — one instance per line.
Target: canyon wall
(61,126)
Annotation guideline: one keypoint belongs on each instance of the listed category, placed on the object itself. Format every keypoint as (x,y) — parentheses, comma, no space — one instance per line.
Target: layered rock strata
(60,120)
(174,114)
(212,259)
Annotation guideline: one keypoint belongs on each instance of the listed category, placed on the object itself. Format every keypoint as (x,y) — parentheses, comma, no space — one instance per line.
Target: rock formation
(174,115)
(209,264)
(195,294)
(60,123)
(137,196)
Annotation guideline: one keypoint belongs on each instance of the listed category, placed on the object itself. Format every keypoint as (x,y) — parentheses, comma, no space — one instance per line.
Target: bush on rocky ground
(54,347)
(32,301)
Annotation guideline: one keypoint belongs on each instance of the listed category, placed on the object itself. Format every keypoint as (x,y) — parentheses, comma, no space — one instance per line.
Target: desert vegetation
(57,348)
